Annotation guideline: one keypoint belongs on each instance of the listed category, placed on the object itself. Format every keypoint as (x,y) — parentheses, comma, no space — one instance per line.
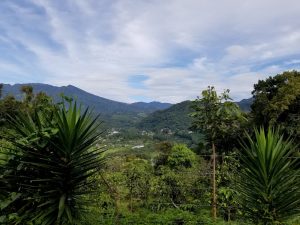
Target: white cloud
(182,46)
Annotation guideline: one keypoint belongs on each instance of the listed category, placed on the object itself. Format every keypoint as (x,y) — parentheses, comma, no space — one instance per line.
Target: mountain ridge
(149,116)
(101,104)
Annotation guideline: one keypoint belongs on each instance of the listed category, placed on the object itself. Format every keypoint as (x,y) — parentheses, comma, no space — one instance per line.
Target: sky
(146,50)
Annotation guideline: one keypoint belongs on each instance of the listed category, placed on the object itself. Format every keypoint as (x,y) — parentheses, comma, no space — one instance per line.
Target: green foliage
(164,148)
(9,106)
(227,173)
(269,184)
(138,175)
(218,118)
(27,90)
(215,115)
(166,217)
(181,156)
(50,169)
(277,102)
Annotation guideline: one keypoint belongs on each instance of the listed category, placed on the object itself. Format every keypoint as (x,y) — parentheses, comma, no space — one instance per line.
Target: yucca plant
(269,184)
(53,161)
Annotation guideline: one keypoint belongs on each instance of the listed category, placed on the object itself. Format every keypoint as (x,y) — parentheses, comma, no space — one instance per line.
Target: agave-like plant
(269,184)
(54,158)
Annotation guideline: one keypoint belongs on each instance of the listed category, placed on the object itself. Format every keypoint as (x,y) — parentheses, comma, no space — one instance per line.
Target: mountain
(176,117)
(101,105)
(114,113)
(245,104)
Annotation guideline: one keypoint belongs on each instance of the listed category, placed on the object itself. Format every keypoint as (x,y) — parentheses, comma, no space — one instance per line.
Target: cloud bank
(129,50)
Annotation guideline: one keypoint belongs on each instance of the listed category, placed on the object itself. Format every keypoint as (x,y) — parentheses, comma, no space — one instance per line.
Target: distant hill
(245,104)
(176,117)
(114,113)
(152,106)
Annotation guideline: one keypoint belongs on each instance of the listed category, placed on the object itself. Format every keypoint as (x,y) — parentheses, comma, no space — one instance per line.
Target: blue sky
(133,50)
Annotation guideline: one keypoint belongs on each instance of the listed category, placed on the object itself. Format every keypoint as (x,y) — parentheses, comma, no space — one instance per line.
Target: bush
(181,156)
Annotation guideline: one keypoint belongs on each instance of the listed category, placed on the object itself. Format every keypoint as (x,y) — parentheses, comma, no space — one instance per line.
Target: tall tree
(277,102)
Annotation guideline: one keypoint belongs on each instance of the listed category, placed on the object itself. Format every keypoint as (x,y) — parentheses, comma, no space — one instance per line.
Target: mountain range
(149,116)
(100,105)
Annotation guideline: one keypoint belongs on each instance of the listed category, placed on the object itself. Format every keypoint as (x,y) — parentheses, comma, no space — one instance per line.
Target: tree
(138,173)
(53,161)
(9,107)
(269,184)
(277,102)
(27,90)
(164,148)
(217,117)
(181,156)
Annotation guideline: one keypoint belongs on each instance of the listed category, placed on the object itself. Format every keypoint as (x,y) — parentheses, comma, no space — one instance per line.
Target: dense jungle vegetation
(59,165)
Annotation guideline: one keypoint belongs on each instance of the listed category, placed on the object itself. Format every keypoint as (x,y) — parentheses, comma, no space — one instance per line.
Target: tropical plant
(269,184)
(55,158)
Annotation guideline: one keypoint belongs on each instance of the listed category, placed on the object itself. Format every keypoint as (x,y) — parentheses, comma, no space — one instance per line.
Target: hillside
(176,117)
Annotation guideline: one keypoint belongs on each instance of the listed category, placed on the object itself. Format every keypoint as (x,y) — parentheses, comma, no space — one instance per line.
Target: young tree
(217,117)
(269,184)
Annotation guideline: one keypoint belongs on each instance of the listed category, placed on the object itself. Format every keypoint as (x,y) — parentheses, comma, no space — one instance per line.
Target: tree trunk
(214,196)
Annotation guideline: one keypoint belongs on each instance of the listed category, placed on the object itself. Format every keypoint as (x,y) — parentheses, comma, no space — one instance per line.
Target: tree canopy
(277,102)
(216,116)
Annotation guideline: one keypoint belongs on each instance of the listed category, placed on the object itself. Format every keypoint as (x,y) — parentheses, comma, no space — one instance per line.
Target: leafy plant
(269,184)
(53,164)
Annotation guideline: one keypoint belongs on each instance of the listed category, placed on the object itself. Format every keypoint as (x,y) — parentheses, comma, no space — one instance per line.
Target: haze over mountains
(150,116)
